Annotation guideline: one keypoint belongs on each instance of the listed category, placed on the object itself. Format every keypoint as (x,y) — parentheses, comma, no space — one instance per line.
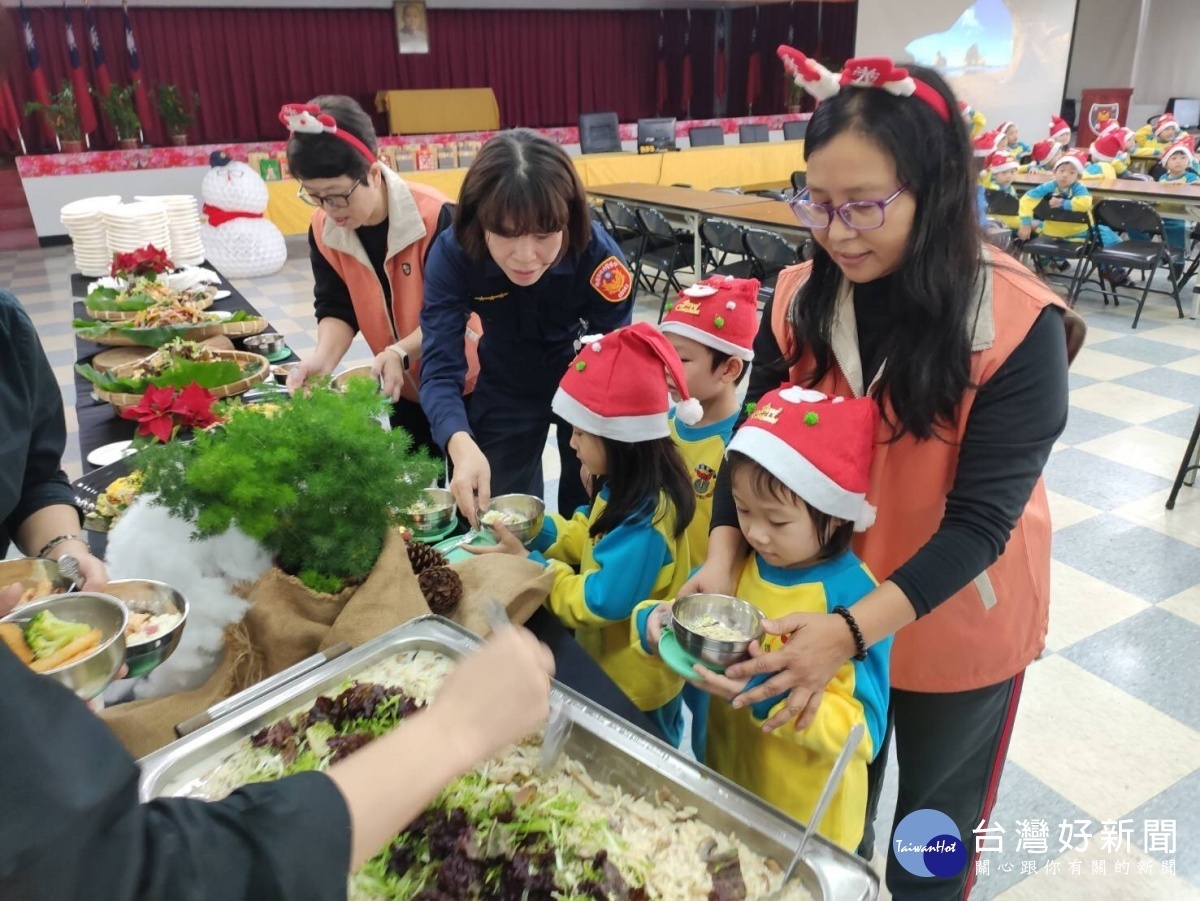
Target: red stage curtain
(546,67)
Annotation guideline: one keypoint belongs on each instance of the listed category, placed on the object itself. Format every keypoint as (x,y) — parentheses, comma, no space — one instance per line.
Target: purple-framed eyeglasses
(860,215)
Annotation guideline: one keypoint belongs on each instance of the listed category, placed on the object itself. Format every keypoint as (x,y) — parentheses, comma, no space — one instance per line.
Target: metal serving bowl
(31,572)
(532,511)
(266,344)
(92,674)
(147,596)
(735,613)
(442,511)
(356,372)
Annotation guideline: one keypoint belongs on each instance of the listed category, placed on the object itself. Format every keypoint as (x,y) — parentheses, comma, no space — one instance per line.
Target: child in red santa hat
(1060,130)
(800,470)
(1045,155)
(1011,143)
(1108,154)
(998,177)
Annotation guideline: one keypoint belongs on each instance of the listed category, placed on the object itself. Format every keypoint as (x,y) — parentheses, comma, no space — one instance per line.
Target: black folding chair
(1001,204)
(799,180)
(664,251)
(773,195)
(753,134)
(627,232)
(1043,247)
(599,133)
(771,254)
(795,131)
(1135,176)
(706,136)
(1143,248)
(722,239)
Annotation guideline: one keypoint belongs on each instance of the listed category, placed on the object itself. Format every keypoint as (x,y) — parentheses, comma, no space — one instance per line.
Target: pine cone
(442,587)
(424,556)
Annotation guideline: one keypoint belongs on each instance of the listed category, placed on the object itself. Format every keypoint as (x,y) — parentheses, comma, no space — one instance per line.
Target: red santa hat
(1045,150)
(1078,160)
(819,447)
(617,386)
(1108,146)
(1059,126)
(1126,135)
(719,312)
(987,143)
(1183,145)
(1005,126)
(1165,121)
(1001,162)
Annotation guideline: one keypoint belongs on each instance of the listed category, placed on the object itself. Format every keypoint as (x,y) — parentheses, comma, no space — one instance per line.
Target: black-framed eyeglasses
(329,201)
(860,215)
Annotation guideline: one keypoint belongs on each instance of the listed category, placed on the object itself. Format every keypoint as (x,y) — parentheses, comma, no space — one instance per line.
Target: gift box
(467,151)
(406,157)
(265,165)
(447,156)
(426,157)
(284,171)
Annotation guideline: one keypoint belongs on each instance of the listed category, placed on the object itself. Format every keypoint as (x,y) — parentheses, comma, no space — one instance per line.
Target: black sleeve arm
(1012,426)
(331,297)
(768,372)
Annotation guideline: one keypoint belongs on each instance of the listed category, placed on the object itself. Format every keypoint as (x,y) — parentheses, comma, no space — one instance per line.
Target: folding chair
(753,134)
(706,136)
(773,195)
(795,131)
(1001,204)
(625,230)
(1041,247)
(1145,253)
(663,251)
(771,254)
(720,239)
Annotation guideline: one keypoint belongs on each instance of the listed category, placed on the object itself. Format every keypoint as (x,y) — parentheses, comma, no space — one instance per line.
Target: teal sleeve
(1031,199)
(871,683)
(545,538)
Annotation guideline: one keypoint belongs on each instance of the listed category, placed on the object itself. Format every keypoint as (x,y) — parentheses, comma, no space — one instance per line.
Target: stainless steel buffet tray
(611,749)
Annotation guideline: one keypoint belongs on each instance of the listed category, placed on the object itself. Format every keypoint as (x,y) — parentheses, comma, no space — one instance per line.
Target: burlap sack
(289,622)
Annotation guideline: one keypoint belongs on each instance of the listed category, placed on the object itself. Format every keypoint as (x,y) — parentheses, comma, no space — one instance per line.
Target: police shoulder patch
(612,280)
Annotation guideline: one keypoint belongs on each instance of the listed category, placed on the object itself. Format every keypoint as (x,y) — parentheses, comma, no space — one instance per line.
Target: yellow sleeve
(569,538)
(978,123)
(1080,203)
(837,715)
(1143,134)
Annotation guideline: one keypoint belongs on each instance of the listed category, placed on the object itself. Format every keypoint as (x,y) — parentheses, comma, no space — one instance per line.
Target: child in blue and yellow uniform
(631,543)
(1066,193)
(800,468)
(1011,143)
(1060,131)
(998,176)
(1178,160)
(1158,135)
(712,327)
(1109,159)
(972,118)
(1045,156)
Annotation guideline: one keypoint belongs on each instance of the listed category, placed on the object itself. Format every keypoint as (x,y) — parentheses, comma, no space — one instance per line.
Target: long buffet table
(99,424)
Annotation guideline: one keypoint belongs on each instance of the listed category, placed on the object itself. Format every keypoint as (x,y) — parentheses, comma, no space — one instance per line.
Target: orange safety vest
(413,211)
(995,626)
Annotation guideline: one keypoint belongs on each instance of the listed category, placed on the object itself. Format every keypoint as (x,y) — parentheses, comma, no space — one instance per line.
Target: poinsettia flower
(194,407)
(153,413)
(148,260)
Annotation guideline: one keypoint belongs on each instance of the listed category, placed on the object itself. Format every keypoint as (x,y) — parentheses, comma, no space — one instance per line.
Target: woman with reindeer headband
(965,353)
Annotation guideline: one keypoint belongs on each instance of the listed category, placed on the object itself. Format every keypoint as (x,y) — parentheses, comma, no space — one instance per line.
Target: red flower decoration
(148,260)
(163,411)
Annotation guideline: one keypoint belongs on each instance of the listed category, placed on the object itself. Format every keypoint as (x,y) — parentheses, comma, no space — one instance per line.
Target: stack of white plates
(183,218)
(132,226)
(85,224)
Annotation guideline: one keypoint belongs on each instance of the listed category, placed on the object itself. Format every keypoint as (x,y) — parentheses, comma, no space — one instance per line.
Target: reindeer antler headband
(309,120)
(865,72)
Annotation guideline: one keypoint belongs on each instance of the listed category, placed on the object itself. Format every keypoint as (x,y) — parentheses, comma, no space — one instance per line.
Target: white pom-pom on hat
(798,395)
(866,519)
(689,411)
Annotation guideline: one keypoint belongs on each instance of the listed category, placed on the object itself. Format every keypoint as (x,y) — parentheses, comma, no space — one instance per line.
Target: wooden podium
(1097,108)
(439,111)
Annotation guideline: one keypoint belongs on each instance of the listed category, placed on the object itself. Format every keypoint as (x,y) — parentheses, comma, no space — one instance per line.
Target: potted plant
(177,116)
(119,109)
(318,483)
(795,98)
(63,113)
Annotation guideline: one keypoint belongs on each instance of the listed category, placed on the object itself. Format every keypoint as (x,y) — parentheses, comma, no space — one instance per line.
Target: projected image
(980,39)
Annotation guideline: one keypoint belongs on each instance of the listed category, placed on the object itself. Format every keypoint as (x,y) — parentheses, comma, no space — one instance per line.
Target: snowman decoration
(238,241)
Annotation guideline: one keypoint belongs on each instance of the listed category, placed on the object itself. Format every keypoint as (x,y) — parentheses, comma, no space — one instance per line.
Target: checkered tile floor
(1109,724)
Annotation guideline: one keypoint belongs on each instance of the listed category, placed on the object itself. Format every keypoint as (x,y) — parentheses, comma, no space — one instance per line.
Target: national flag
(103,82)
(37,77)
(720,67)
(754,69)
(10,118)
(660,102)
(83,97)
(685,91)
(135,71)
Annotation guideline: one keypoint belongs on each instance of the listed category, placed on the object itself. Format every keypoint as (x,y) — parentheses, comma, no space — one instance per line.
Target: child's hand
(507,543)
(1024,232)
(717,684)
(659,619)
(1055,203)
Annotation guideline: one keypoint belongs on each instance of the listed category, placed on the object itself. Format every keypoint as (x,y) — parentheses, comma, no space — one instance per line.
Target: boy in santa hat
(800,470)
(1045,156)
(1158,135)
(1108,156)
(631,542)
(1011,142)
(712,327)
(1060,131)
(998,177)
(1178,160)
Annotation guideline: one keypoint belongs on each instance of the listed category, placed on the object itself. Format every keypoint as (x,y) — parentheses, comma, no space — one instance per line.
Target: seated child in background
(800,468)
(1060,131)
(1045,156)
(1011,143)
(972,118)
(1178,160)
(984,146)
(999,175)
(714,337)
(1109,159)
(632,542)
(1158,135)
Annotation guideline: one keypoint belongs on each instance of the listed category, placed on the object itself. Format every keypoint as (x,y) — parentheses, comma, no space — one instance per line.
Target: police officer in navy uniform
(525,256)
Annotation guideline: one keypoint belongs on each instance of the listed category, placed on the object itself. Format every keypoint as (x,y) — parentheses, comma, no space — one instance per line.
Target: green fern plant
(319,483)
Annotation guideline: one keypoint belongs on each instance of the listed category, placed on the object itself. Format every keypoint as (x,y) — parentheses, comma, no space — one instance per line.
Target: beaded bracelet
(859,644)
(56,541)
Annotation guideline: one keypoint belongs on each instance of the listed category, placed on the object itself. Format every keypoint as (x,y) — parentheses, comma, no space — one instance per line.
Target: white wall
(1167,58)
(1106,33)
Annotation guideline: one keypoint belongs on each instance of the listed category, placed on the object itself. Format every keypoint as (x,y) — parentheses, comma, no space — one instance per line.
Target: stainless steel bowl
(147,596)
(732,612)
(532,511)
(356,372)
(441,512)
(91,675)
(33,572)
(266,344)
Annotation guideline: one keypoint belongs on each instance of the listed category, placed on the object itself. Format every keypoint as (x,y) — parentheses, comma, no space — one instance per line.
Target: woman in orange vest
(368,243)
(966,355)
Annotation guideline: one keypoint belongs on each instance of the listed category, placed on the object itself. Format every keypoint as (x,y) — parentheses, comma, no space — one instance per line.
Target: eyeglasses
(860,215)
(329,201)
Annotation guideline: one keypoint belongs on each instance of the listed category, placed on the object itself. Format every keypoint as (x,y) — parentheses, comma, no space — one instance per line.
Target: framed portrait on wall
(412,29)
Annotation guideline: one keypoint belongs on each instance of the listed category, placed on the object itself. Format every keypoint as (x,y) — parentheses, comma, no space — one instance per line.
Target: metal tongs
(558,726)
